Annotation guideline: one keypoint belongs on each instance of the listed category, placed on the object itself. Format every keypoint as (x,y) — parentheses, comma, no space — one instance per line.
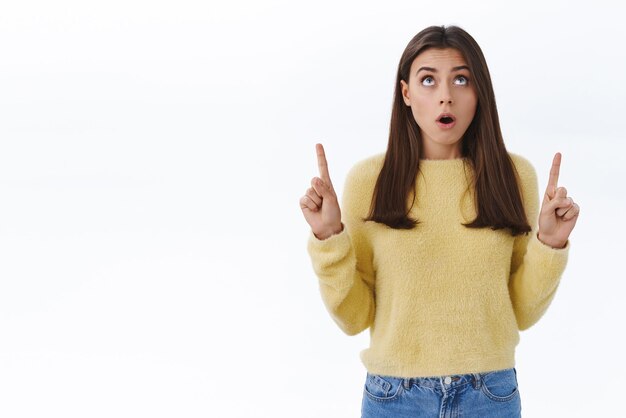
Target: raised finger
(554,175)
(322,163)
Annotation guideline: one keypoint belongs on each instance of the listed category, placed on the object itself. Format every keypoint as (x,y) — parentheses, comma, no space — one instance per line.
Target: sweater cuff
(551,259)
(330,250)
(333,240)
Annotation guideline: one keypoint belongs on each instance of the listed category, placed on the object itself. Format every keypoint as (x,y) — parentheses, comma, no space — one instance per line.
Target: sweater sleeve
(536,268)
(343,262)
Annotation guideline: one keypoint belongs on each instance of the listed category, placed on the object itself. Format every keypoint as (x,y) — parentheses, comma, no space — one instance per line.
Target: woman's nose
(445,95)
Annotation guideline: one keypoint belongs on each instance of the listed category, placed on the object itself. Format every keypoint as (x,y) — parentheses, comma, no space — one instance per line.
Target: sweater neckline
(446,161)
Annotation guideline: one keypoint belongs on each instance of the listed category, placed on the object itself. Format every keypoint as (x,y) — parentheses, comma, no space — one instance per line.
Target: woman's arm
(536,268)
(343,262)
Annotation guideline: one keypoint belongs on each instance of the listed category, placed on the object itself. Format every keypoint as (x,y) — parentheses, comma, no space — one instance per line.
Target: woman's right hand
(320,205)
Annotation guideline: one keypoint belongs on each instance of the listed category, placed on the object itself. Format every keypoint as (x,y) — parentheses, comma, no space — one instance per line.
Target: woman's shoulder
(523,166)
(361,181)
(368,166)
(527,179)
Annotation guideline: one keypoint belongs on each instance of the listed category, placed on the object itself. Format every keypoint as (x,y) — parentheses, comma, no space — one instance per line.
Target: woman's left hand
(558,211)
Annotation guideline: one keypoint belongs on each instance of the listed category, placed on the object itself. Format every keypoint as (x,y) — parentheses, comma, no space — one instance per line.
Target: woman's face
(437,85)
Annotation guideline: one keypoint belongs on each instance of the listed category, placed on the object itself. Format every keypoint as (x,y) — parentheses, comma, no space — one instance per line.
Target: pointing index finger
(554,175)
(322,164)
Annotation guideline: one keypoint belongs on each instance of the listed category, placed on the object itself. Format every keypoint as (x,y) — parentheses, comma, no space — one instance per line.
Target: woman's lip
(446,125)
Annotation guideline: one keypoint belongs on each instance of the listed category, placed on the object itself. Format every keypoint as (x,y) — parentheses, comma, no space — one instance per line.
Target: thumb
(321,188)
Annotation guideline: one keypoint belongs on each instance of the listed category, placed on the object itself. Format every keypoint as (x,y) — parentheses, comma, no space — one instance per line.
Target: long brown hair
(496,192)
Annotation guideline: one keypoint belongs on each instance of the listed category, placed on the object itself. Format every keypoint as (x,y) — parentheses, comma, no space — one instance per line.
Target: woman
(439,247)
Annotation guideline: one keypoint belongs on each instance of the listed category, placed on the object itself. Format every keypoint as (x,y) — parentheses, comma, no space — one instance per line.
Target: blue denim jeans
(491,394)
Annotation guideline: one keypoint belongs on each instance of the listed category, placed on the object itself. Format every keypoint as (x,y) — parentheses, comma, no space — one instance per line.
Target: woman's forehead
(440,56)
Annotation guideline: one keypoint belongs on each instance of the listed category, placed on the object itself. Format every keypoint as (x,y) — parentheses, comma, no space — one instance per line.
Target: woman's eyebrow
(434,70)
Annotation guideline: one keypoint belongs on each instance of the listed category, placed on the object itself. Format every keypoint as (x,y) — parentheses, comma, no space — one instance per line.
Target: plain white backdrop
(152,156)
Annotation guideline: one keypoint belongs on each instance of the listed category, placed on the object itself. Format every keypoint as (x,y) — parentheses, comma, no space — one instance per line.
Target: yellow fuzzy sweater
(439,299)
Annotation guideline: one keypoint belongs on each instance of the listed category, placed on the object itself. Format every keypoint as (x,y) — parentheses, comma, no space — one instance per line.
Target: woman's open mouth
(446,122)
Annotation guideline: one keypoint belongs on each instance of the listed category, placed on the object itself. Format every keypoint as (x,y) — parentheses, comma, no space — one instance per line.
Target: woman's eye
(427,78)
(464,78)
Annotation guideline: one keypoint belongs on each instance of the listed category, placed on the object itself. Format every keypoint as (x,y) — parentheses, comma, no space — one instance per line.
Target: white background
(152,157)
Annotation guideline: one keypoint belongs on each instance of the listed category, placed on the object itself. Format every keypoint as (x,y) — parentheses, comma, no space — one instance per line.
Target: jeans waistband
(446,382)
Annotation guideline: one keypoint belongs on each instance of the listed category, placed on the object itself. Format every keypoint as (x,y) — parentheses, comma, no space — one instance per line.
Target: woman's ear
(405,93)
